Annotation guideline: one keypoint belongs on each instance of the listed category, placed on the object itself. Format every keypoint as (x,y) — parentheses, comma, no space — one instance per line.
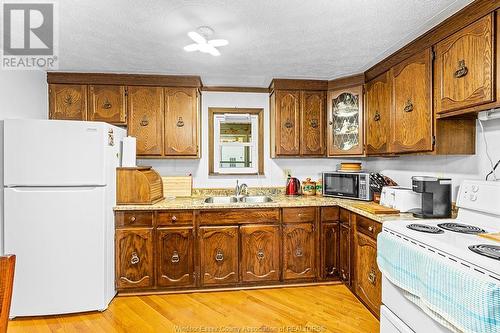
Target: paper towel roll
(129,151)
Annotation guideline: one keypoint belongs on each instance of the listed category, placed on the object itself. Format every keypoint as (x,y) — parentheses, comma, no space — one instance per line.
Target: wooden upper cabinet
(299,251)
(107,103)
(312,129)
(287,122)
(134,258)
(260,253)
(145,110)
(219,255)
(68,101)
(175,256)
(378,114)
(464,67)
(181,122)
(345,122)
(412,104)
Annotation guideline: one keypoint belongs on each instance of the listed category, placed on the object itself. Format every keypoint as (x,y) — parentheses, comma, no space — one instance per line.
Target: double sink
(234,199)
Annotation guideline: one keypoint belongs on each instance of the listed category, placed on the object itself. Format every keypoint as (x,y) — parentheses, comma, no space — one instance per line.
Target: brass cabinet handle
(68,100)
(462,69)
(370,228)
(180,122)
(133,219)
(107,105)
(175,257)
(344,275)
(288,124)
(174,218)
(376,117)
(144,122)
(314,123)
(260,254)
(219,256)
(372,277)
(134,259)
(299,252)
(408,106)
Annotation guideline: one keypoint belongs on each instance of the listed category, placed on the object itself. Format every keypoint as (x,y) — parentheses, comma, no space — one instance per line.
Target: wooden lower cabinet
(368,285)
(299,251)
(134,258)
(175,257)
(330,250)
(219,255)
(260,253)
(345,253)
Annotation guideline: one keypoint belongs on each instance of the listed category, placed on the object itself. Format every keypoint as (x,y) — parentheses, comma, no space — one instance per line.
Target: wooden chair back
(7,264)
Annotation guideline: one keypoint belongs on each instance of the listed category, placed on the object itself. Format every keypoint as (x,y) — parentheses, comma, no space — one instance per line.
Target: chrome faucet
(239,189)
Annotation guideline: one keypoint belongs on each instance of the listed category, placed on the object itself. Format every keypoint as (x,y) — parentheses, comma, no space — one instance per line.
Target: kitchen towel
(129,152)
(456,297)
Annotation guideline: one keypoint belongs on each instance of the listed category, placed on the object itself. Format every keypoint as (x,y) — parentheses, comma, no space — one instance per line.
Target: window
(235,141)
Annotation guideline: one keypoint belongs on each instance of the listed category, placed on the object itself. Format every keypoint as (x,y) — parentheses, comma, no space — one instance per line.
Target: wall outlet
(286,172)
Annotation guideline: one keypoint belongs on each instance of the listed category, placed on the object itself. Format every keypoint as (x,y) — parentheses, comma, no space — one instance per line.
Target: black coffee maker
(436,196)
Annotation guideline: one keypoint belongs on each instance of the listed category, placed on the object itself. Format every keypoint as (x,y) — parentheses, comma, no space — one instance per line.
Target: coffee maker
(436,196)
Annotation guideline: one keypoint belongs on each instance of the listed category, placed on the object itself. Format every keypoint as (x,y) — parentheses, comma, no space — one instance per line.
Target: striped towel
(454,296)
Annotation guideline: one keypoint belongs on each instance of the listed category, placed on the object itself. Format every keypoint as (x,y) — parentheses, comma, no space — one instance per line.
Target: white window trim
(254,144)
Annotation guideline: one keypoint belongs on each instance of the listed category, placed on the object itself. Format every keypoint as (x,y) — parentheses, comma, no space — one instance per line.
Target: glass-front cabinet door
(345,121)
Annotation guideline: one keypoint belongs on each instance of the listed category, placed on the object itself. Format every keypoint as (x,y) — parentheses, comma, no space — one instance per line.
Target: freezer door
(54,152)
(59,238)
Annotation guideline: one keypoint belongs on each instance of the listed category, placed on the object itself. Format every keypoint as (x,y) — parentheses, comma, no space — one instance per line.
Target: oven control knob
(473,197)
(475,188)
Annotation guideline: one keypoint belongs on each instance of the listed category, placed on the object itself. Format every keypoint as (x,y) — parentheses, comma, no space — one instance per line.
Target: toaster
(401,198)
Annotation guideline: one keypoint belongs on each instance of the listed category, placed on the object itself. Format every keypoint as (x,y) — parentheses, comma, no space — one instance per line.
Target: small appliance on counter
(436,196)
(349,185)
(401,198)
(292,186)
(308,187)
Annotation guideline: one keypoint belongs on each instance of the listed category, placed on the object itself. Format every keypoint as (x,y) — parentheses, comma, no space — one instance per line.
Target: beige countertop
(279,201)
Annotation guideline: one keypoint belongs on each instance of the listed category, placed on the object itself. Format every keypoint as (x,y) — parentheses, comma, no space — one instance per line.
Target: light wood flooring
(298,309)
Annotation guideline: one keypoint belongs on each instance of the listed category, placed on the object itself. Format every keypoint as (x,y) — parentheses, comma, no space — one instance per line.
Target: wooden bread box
(138,186)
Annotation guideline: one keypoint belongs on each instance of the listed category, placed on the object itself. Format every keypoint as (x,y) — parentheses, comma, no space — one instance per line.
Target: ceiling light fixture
(202,44)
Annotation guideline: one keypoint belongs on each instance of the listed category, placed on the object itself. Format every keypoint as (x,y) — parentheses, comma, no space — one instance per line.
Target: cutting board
(177,186)
(375,208)
(493,236)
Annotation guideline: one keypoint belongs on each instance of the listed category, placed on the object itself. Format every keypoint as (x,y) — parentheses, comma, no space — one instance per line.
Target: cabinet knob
(180,122)
(219,255)
(107,105)
(260,254)
(134,259)
(174,218)
(144,122)
(288,124)
(372,277)
(314,123)
(376,117)
(133,219)
(408,106)
(370,228)
(462,69)
(175,257)
(299,252)
(330,122)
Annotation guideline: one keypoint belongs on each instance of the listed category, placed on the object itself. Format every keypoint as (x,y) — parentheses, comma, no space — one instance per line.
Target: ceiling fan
(202,44)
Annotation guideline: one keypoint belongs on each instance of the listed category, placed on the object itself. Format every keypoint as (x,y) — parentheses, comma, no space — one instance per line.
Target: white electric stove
(455,240)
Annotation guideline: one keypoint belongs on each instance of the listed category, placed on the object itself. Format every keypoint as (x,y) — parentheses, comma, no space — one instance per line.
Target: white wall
(23,94)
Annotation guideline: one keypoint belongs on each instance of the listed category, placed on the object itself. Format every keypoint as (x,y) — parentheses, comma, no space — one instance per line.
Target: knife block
(138,186)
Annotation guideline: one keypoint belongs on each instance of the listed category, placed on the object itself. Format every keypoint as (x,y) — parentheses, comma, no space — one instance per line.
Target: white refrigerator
(57,213)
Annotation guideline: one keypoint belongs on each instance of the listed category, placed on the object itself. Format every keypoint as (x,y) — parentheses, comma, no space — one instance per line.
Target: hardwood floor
(299,309)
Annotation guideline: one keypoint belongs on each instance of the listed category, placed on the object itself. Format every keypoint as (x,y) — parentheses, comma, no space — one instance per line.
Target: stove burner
(425,228)
(462,228)
(492,251)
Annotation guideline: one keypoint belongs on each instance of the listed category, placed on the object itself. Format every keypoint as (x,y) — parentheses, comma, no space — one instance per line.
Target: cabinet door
(412,105)
(368,277)
(345,122)
(287,129)
(134,258)
(378,114)
(107,103)
(312,130)
(175,256)
(68,101)
(330,250)
(181,122)
(219,255)
(464,67)
(299,251)
(345,254)
(145,112)
(260,253)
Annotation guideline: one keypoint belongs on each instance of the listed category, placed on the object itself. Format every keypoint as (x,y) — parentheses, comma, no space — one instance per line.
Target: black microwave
(349,185)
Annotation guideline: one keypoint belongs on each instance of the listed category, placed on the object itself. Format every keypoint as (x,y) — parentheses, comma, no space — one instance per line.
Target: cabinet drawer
(177,217)
(330,214)
(239,216)
(299,215)
(134,219)
(368,227)
(344,216)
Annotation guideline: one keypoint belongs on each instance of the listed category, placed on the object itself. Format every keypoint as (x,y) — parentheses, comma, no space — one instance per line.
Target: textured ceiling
(321,39)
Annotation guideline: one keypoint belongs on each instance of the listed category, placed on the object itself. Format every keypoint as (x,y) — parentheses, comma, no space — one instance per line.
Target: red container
(292,186)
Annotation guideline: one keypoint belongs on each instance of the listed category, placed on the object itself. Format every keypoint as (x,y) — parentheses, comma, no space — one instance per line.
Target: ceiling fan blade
(192,47)
(218,42)
(213,51)
(197,37)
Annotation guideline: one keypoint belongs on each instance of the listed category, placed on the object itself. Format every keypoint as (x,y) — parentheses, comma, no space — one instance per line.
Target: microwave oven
(349,185)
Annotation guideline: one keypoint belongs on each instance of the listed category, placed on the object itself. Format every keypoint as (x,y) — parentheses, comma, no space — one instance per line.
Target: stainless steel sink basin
(221,200)
(228,200)
(256,199)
